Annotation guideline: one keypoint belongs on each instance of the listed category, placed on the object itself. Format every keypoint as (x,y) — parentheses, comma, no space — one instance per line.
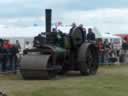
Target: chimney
(48,15)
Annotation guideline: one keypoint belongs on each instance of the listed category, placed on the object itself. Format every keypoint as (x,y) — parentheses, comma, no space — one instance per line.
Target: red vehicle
(123,36)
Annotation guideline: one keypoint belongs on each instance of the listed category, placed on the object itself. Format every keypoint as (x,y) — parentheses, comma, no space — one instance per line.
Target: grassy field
(109,81)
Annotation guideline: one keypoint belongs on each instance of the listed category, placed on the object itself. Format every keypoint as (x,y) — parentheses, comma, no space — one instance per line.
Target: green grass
(109,81)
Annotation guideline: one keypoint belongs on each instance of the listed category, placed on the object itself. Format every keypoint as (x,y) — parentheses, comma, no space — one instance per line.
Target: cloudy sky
(106,15)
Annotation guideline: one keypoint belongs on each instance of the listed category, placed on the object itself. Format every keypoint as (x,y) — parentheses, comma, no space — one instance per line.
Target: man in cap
(83,30)
(73,27)
(91,35)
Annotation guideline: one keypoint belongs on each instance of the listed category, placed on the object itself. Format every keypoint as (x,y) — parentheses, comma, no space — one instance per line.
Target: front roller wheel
(37,67)
(88,58)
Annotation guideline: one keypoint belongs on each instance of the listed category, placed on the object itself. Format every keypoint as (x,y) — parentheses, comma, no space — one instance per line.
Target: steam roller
(41,63)
(56,53)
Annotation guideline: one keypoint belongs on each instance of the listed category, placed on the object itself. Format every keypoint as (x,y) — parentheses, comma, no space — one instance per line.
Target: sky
(20,15)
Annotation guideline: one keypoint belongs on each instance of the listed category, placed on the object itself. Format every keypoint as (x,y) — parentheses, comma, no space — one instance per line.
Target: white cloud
(106,20)
(100,14)
(24,13)
(6,1)
(23,8)
(23,21)
(20,32)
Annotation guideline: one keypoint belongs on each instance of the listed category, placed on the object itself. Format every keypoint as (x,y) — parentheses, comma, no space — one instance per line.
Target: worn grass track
(109,81)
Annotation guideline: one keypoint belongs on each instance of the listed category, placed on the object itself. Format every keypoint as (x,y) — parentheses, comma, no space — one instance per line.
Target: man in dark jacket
(52,37)
(13,58)
(71,30)
(39,40)
(83,30)
(91,35)
(70,33)
(3,57)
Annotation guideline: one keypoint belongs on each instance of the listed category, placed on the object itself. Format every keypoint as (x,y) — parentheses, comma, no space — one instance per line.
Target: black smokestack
(48,15)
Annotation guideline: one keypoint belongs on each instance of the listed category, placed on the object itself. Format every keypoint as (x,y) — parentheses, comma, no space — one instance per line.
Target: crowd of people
(106,51)
(8,55)
(108,54)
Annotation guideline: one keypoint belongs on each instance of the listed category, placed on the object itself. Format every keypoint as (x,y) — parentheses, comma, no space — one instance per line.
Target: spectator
(3,57)
(124,45)
(114,53)
(90,35)
(14,50)
(101,51)
(1,41)
(18,45)
(28,45)
(124,51)
(111,49)
(8,46)
(107,50)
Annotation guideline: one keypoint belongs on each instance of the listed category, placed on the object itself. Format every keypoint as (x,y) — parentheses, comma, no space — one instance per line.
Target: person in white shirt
(28,45)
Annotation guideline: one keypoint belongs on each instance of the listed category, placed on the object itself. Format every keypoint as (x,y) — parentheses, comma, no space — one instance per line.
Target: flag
(59,23)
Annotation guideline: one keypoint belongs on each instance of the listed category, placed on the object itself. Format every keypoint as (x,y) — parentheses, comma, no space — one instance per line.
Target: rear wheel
(89,62)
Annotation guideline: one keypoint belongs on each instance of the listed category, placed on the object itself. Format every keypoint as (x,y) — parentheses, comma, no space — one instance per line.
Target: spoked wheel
(89,60)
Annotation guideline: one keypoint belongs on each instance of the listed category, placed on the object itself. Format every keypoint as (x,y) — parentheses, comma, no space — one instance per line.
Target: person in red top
(101,51)
(8,46)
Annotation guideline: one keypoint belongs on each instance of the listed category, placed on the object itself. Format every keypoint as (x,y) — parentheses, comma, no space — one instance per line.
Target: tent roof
(109,36)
